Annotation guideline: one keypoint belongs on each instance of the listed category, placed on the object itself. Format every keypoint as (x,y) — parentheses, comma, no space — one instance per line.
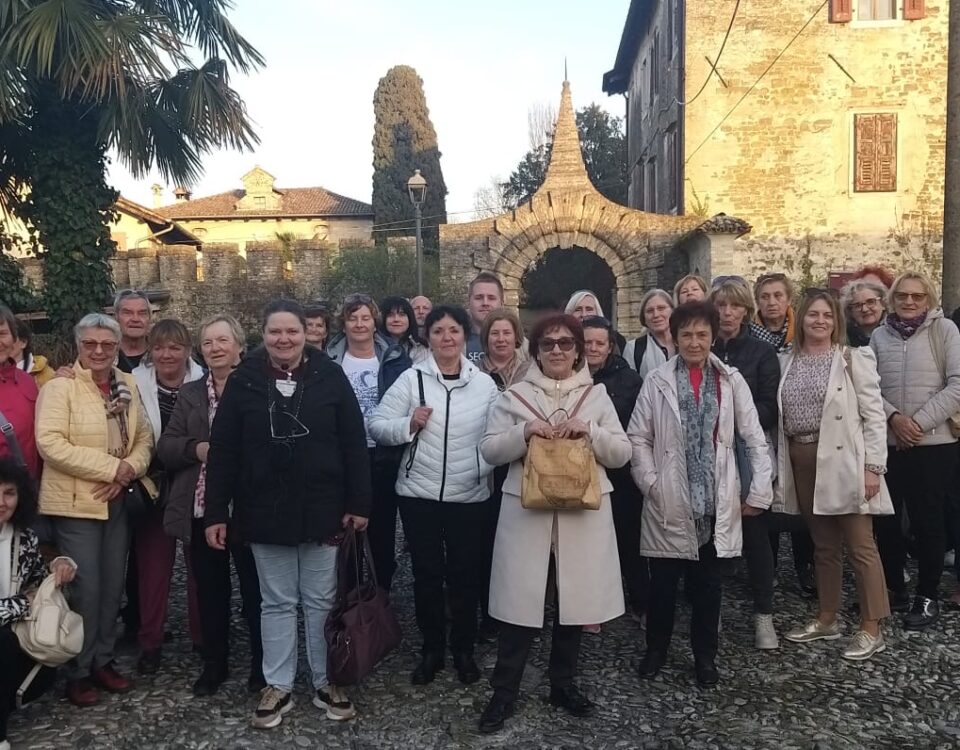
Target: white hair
(96,320)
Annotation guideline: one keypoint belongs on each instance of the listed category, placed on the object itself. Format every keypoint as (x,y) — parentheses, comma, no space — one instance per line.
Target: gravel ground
(797,697)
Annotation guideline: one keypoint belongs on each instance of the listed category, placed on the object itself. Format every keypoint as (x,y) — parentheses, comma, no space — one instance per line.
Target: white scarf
(6,570)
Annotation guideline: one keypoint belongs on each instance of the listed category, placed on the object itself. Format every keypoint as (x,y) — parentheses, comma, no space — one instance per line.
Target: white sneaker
(335,703)
(4,745)
(949,559)
(765,635)
(274,703)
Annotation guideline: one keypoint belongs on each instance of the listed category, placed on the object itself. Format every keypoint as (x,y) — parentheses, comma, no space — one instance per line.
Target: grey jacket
(913,382)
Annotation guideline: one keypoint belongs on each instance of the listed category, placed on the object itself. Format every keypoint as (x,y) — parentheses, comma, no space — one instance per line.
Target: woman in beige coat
(684,461)
(95,440)
(833,453)
(580,544)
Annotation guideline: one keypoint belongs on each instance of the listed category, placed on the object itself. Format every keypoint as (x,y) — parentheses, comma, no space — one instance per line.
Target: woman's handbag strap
(539,415)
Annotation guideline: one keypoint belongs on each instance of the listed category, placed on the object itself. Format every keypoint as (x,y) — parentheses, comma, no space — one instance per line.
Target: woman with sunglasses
(918,358)
(580,546)
(865,305)
(288,450)
(438,410)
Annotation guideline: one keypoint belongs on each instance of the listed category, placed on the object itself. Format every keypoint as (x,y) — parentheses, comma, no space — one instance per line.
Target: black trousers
(211,571)
(626,504)
(704,587)
(758,554)
(446,547)
(919,479)
(801,541)
(130,613)
(382,529)
(14,667)
(514,649)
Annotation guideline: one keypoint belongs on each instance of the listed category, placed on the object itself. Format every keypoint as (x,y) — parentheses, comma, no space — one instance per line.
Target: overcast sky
(484,64)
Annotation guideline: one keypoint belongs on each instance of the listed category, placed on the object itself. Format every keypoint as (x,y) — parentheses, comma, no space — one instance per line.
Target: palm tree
(81,77)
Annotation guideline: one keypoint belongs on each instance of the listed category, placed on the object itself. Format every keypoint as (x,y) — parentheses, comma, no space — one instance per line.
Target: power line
(757,82)
(716,63)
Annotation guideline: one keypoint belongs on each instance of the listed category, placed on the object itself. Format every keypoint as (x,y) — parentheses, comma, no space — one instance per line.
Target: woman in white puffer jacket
(440,407)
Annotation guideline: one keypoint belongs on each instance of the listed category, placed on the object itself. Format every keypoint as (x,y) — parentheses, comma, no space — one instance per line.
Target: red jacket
(18,402)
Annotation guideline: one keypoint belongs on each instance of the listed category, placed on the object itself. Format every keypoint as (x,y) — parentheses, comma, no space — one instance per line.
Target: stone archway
(567,211)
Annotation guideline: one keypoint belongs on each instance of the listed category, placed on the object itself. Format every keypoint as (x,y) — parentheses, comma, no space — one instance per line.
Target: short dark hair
(485,277)
(13,473)
(400,305)
(25,334)
(598,321)
(694,312)
(283,305)
(551,323)
(168,330)
(458,314)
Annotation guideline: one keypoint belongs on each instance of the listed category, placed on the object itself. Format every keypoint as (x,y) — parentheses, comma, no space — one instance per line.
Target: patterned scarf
(117,403)
(905,328)
(198,496)
(699,421)
(780,340)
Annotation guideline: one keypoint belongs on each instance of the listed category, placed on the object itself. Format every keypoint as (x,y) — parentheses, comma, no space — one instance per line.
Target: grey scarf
(699,422)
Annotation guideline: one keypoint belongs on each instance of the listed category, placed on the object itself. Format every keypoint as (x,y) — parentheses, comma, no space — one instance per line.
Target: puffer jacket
(911,380)
(72,440)
(447,465)
(757,362)
(659,464)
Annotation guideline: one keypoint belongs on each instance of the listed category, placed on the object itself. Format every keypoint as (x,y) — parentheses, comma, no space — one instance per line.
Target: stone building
(821,123)
(260,211)
(642,249)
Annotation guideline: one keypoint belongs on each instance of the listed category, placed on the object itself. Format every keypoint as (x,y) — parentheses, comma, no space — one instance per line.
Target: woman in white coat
(684,461)
(439,407)
(833,453)
(580,544)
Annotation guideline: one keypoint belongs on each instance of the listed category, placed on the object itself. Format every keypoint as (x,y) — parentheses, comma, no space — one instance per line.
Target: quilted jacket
(912,381)
(447,465)
(72,439)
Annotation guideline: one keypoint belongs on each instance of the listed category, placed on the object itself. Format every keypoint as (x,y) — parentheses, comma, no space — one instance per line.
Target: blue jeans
(305,574)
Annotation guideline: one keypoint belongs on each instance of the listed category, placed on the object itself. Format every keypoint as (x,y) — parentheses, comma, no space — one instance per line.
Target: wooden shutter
(841,11)
(875,146)
(914,10)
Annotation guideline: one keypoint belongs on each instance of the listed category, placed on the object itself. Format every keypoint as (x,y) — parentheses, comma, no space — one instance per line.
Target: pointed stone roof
(566,169)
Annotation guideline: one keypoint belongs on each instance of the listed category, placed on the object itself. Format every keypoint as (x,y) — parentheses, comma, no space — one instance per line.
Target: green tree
(604,147)
(404,139)
(81,77)
(384,271)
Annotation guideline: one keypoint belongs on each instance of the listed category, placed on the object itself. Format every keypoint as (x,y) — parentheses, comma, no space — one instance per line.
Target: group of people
(742,411)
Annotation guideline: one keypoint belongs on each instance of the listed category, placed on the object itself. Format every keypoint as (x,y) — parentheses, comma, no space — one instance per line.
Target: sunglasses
(107,347)
(912,296)
(566,344)
(354,299)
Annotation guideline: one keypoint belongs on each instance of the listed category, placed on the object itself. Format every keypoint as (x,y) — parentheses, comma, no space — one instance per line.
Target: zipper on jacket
(476,452)
(446,436)
(903,377)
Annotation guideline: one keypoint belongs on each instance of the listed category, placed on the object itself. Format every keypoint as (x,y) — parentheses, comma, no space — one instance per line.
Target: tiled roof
(315,201)
(167,230)
(723,224)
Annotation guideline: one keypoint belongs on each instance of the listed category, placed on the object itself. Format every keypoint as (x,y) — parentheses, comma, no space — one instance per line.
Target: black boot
(211,678)
(496,712)
(571,700)
(706,671)
(467,670)
(924,613)
(652,663)
(431,662)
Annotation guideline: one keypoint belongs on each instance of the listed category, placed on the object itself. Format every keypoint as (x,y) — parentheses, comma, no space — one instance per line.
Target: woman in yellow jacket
(95,441)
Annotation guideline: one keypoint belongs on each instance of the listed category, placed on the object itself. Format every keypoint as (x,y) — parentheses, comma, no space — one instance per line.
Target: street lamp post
(417,187)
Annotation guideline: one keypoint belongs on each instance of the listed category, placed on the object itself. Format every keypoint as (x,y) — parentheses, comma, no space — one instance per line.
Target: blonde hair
(736,292)
(933,300)
(839,321)
(236,330)
(689,277)
(501,314)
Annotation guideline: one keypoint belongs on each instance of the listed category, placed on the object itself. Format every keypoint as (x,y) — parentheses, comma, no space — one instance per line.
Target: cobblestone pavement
(797,697)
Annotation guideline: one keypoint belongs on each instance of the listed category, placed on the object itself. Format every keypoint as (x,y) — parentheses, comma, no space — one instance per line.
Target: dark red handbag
(361,629)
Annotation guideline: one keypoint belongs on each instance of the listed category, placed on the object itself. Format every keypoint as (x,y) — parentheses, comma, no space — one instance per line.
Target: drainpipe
(154,236)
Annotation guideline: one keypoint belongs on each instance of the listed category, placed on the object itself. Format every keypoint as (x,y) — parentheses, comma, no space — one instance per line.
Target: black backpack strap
(12,443)
(414,444)
(639,349)
(423,400)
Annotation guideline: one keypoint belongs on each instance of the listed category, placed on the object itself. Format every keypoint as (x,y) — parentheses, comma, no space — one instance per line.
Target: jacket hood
(147,372)
(579,379)
(38,363)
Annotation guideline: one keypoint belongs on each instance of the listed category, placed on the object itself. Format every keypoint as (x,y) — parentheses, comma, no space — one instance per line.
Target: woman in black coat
(623,386)
(758,364)
(183,448)
(288,447)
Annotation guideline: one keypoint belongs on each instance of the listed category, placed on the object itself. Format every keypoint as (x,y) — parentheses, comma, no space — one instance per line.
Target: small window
(655,67)
(650,182)
(260,201)
(199,232)
(671,28)
(876,10)
(875,153)
(670,162)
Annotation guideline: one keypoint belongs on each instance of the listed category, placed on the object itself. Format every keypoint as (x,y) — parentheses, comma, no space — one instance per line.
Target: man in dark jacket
(288,447)
(623,386)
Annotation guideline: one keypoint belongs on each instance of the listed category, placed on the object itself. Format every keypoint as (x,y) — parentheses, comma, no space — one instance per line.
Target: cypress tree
(404,140)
